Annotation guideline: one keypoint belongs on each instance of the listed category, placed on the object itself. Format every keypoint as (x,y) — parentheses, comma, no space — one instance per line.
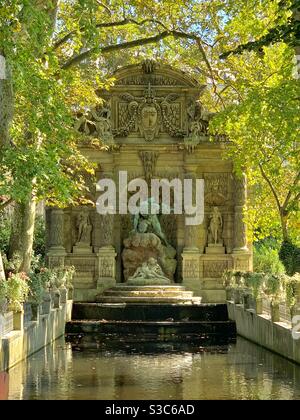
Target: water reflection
(238,371)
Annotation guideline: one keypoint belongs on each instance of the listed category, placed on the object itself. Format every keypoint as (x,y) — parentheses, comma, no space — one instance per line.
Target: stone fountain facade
(154,126)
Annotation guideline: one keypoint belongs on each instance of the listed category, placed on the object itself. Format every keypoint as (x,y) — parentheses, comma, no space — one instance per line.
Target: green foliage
(292,287)
(3,289)
(12,265)
(3,296)
(290,257)
(58,61)
(263,127)
(4,234)
(255,282)
(39,237)
(266,260)
(289,32)
(17,290)
(274,288)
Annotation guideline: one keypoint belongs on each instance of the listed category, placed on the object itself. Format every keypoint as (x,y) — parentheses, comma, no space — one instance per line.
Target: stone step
(152,344)
(125,287)
(148,300)
(154,312)
(165,329)
(147,293)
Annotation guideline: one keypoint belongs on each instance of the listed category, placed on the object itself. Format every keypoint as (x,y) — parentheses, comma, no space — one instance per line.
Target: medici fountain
(151,267)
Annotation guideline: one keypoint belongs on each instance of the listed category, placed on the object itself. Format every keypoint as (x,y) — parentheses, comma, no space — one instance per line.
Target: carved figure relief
(84,228)
(96,122)
(198,118)
(215,227)
(149,270)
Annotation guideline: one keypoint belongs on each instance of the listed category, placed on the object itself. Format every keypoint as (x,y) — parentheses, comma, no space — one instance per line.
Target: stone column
(191,252)
(57,252)
(240,195)
(104,241)
(191,232)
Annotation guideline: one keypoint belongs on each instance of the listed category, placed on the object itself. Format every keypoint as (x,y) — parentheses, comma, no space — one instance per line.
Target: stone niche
(154,126)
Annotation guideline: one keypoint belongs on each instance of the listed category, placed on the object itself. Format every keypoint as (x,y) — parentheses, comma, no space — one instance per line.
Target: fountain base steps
(149,294)
(94,324)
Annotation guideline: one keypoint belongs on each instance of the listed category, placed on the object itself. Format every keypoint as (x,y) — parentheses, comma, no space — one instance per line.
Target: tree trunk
(2,273)
(283,220)
(6,101)
(28,233)
(15,240)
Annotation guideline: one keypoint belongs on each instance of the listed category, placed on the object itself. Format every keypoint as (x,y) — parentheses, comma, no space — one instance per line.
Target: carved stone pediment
(149,102)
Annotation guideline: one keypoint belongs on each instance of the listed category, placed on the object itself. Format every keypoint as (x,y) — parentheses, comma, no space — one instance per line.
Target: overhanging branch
(132,44)
(106,25)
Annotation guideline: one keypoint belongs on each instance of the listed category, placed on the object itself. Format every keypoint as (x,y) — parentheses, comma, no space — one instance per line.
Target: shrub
(17,290)
(291,285)
(38,284)
(275,288)
(290,256)
(266,260)
(255,282)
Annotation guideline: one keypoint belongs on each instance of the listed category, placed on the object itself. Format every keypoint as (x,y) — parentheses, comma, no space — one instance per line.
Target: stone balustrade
(25,332)
(270,324)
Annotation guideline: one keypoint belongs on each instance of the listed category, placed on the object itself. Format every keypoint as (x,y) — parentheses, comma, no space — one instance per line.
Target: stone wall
(18,340)
(275,336)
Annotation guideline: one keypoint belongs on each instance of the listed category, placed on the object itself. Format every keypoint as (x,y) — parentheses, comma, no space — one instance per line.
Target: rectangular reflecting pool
(236,371)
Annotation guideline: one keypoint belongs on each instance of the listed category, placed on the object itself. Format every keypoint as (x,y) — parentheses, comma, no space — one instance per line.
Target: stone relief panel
(55,261)
(106,223)
(241,264)
(149,159)
(214,269)
(142,79)
(216,188)
(106,267)
(191,268)
(85,267)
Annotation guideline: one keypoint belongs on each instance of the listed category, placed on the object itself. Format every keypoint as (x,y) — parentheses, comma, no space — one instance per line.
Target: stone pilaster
(104,242)
(191,232)
(191,252)
(57,252)
(240,232)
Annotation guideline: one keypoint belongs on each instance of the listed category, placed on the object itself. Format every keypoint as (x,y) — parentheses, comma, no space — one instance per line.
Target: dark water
(238,371)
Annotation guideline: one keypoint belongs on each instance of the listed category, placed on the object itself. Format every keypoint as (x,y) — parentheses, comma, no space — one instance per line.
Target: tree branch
(132,44)
(123,22)
(271,187)
(6,203)
(104,6)
(288,197)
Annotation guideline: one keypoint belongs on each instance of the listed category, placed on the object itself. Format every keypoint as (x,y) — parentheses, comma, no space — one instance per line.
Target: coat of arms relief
(149,115)
(146,105)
